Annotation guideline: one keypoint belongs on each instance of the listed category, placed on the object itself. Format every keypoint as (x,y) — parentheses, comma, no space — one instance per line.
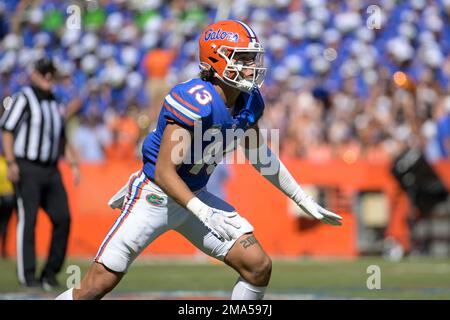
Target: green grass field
(291,279)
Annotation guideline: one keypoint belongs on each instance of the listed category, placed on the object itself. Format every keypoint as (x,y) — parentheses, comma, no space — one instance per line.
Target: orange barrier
(256,199)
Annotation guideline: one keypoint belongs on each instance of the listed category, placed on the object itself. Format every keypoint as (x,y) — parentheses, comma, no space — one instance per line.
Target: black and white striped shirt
(35,119)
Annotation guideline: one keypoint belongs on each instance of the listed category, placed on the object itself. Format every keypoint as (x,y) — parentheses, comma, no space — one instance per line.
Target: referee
(33,140)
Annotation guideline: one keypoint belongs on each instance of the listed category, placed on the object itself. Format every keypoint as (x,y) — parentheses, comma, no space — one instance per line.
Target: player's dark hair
(207,75)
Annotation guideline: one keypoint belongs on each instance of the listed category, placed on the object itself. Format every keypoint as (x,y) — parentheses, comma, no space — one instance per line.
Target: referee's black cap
(44,66)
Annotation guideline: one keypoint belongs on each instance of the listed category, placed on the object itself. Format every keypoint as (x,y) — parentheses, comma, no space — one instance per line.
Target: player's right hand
(222,223)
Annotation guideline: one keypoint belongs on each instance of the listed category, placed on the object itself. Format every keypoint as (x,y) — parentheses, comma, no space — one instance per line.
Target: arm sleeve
(14,113)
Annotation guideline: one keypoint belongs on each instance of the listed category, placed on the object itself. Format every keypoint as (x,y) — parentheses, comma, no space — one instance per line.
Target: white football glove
(220,222)
(308,205)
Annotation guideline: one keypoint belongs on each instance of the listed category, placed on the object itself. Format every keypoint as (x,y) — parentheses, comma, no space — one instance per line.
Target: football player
(169,192)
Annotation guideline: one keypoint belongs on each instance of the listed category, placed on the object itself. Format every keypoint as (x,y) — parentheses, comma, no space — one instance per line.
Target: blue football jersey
(198,107)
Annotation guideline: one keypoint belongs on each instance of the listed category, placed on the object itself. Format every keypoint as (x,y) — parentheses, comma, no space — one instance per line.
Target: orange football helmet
(231,49)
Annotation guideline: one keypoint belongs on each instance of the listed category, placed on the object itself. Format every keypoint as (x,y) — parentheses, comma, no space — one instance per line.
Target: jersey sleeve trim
(182,109)
(179,116)
(184,103)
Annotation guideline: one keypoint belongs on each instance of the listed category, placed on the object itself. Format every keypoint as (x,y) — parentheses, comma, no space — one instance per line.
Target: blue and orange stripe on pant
(133,194)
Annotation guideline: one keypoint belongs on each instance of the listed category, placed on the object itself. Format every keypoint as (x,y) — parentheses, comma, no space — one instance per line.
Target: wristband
(197,207)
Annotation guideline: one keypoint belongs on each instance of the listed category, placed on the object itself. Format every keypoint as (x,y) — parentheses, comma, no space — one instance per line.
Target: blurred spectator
(7,205)
(431,147)
(443,128)
(91,139)
(156,65)
(4,28)
(7,201)
(125,136)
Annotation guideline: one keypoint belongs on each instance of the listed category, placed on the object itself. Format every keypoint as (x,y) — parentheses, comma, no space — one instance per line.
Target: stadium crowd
(346,79)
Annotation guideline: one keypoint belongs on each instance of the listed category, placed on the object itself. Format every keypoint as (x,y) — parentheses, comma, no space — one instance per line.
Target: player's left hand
(309,206)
